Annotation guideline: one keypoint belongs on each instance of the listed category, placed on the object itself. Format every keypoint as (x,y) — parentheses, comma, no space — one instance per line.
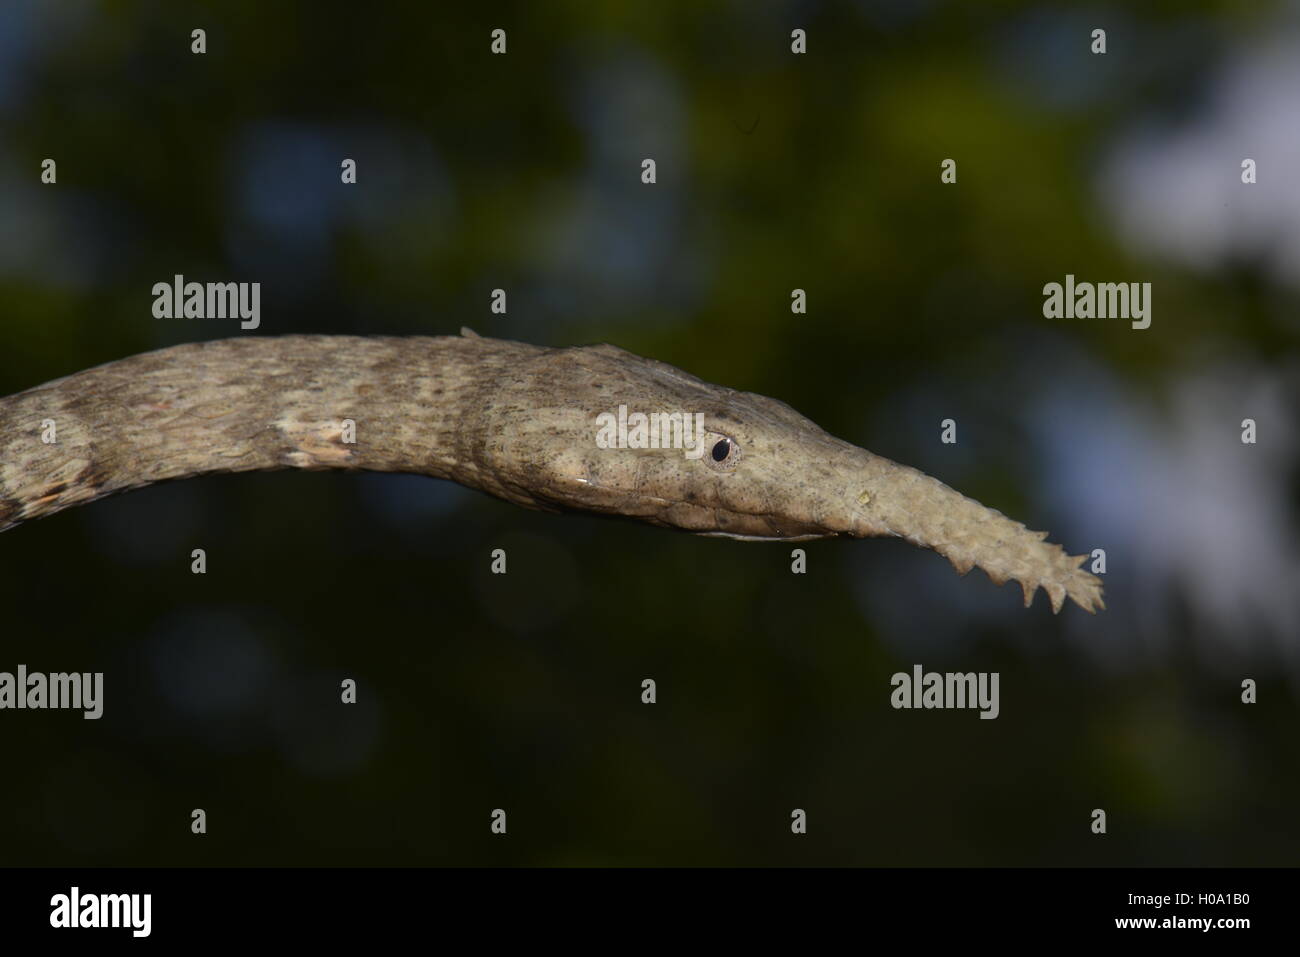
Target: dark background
(775,171)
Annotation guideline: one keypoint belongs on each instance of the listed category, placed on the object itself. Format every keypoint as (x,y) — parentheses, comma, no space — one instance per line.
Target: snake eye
(721,452)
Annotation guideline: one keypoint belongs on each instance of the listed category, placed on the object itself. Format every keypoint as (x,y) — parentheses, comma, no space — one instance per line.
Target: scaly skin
(514,420)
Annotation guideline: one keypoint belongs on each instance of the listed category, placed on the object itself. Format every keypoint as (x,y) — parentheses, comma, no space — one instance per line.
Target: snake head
(599,429)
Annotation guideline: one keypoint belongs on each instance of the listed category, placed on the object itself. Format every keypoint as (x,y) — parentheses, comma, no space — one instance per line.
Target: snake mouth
(692,515)
(766,538)
(749,526)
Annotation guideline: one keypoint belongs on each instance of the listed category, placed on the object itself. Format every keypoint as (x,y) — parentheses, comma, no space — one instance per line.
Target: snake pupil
(720,449)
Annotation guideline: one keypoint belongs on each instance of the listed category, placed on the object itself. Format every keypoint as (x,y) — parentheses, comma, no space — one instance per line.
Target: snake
(511,419)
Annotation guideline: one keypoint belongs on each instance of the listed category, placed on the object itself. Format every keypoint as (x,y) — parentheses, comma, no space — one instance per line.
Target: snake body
(514,420)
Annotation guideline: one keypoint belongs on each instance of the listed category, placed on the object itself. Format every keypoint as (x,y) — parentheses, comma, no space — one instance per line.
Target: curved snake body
(515,420)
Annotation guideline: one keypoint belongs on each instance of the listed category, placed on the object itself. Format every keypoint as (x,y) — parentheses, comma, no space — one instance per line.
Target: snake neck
(247,404)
